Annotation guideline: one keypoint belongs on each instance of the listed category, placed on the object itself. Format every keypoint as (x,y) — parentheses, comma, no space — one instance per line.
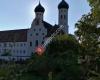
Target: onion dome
(39,8)
(63,4)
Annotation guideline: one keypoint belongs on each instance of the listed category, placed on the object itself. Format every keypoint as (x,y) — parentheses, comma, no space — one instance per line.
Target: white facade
(36,35)
(13,50)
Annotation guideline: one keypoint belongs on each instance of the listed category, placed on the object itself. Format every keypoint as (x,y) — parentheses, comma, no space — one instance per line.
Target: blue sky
(18,14)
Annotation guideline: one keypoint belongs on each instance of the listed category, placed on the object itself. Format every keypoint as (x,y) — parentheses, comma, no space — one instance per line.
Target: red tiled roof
(13,35)
(21,34)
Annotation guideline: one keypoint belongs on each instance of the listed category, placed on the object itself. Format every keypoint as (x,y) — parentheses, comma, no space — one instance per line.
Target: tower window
(61,16)
(30,34)
(64,16)
(30,43)
(36,43)
(39,13)
(37,22)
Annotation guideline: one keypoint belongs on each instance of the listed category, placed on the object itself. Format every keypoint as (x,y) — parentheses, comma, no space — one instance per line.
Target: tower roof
(39,8)
(63,4)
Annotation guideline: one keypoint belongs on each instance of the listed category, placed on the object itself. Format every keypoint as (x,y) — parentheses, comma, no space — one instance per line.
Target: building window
(39,29)
(37,34)
(13,59)
(36,43)
(61,10)
(42,33)
(24,51)
(10,45)
(24,44)
(14,44)
(21,45)
(17,44)
(5,45)
(4,50)
(61,16)
(20,51)
(30,34)
(43,38)
(13,51)
(34,29)
(17,51)
(64,16)
(37,14)
(30,43)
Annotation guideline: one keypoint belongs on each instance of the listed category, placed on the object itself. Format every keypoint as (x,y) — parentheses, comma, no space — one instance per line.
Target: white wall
(32,36)
(16,49)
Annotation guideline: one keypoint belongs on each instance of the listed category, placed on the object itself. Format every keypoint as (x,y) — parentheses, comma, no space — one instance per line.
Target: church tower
(37,32)
(39,13)
(63,15)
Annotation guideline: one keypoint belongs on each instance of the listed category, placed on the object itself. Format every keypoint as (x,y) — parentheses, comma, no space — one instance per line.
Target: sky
(19,14)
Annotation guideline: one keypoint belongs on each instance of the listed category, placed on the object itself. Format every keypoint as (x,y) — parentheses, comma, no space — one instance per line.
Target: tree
(88,34)
(59,61)
(95,9)
(64,59)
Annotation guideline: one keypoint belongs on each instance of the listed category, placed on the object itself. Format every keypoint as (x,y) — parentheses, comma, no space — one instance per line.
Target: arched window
(30,43)
(36,43)
(61,16)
